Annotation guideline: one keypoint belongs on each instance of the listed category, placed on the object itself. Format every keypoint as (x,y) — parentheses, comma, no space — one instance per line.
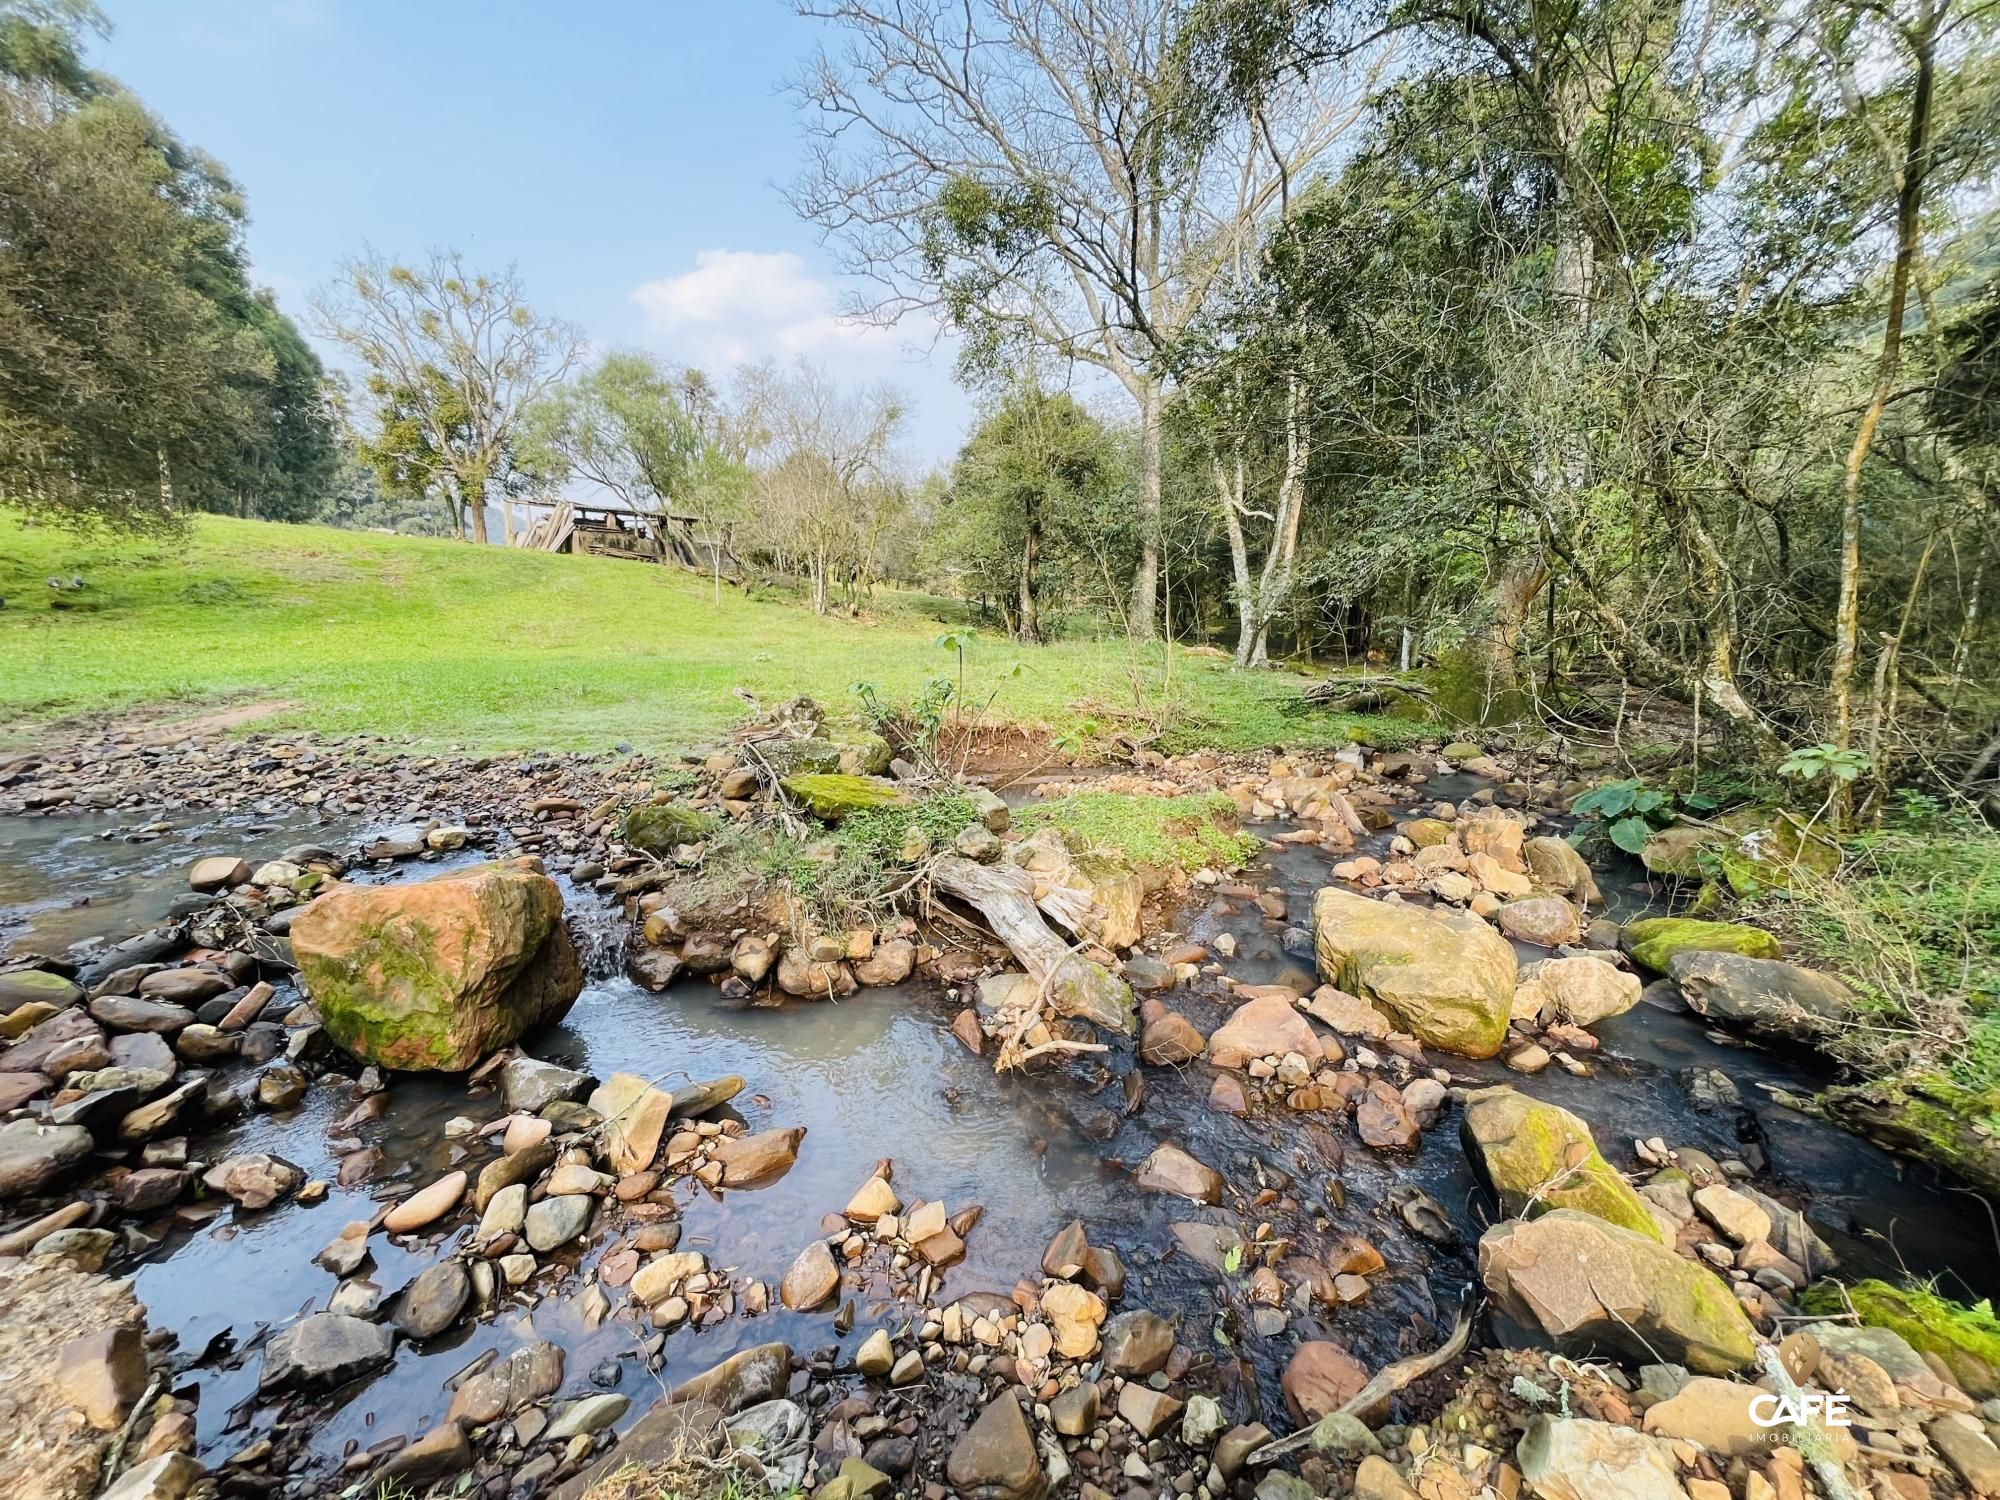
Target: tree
(139,373)
(619,425)
(1021,169)
(452,359)
(824,488)
(1022,500)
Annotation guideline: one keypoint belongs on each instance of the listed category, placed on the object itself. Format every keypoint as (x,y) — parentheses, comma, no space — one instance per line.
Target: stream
(881,1075)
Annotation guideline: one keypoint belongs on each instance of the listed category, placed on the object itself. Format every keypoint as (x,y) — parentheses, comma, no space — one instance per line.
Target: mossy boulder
(1424,832)
(1653,941)
(659,828)
(1447,976)
(436,974)
(1927,1116)
(36,987)
(833,795)
(1535,1157)
(806,757)
(864,755)
(1765,995)
(1754,849)
(1966,1339)
(1587,1287)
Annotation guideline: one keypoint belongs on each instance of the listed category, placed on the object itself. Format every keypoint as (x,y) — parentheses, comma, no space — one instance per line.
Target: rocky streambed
(835,1228)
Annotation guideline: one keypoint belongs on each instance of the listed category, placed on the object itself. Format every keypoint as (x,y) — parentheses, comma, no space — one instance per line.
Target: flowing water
(878,1076)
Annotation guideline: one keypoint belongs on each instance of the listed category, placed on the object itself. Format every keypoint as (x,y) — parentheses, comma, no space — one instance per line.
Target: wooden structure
(620,531)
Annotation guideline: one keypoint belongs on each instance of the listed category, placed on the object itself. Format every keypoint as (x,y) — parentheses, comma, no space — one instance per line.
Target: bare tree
(452,358)
(1022,169)
(824,487)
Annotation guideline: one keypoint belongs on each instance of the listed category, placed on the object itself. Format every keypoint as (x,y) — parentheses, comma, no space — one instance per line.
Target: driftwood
(1361,694)
(1372,1398)
(1005,896)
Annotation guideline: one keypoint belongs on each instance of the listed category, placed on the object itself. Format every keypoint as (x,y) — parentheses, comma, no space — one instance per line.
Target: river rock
(892,962)
(1136,1343)
(635,1117)
(528,1085)
(1570,1458)
(749,1160)
(102,1373)
(558,1219)
(1653,941)
(1717,1414)
(658,828)
(806,978)
(521,1166)
(1545,921)
(1580,990)
(1170,1041)
(1587,1286)
(1321,1377)
(438,973)
(427,1205)
(1145,1410)
(1383,1121)
(744,1379)
(698,1099)
(34,1156)
(326,1350)
(874,1199)
(434,1300)
(995,1458)
(1763,995)
(1112,892)
(1534,1157)
(217,872)
(1074,1314)
(31,1053)
(36,987)
(1557,867)
(812,1279)
(433,1456)
(528,1375)
(255,1179)
(130,1013)
(1269,1026)
(1448,976)
(1171,1170)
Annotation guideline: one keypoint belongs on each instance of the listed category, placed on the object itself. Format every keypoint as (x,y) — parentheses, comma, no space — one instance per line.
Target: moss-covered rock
(1447,976)
(1754,849)
(438,973)
(1535,1157)
(1927,1116)
(803,757)
(833,795)
(36,987)
(1424,832)
(1653,941)
(1966,1339)
(658,828)
(865,755)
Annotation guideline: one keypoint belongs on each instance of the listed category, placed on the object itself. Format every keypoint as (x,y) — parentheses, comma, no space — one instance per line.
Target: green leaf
(1630,834)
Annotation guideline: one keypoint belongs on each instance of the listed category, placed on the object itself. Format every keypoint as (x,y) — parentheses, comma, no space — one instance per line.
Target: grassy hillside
(488,647)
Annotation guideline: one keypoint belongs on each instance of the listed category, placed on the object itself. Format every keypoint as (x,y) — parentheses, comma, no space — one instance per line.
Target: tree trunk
(1276,585)
(1229,491)
(476,509)
(1146,578)
(1909,207)
(1030,626)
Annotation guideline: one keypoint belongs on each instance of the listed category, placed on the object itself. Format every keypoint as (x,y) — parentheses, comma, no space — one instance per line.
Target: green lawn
(490,648)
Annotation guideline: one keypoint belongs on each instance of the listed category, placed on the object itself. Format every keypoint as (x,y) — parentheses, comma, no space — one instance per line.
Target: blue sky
(627,157)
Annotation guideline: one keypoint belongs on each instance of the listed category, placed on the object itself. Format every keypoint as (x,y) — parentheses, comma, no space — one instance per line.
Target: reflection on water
(880,1075)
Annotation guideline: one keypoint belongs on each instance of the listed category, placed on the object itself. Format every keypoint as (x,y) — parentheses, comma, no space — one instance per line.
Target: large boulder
(1446,975)
(1535,1157)
(1581,990)
(34,1156)
(1557,867)
(1764,995)
(1584,1286)
(1653,941)
(833,795)
(437,974)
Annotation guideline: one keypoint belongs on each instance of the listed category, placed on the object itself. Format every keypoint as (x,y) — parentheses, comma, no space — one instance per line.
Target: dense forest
(1593,357)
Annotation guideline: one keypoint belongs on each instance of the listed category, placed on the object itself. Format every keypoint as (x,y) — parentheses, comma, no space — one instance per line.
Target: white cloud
(738,306)
(741,307)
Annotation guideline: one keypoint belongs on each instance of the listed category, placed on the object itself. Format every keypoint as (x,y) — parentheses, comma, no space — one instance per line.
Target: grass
(1191,832)
(489,648)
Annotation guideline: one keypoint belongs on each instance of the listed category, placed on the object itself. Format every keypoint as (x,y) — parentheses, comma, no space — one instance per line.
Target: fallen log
(1005,896)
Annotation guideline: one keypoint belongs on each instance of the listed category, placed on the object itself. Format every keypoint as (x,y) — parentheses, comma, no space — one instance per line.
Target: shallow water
(880,1075)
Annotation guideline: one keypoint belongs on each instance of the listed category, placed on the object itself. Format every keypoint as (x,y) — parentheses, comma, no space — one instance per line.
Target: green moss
(1190,833)
(1966,1338)
(1929,1116)
(1537,1157)
(661,827)
(833,796)
(1652,941)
